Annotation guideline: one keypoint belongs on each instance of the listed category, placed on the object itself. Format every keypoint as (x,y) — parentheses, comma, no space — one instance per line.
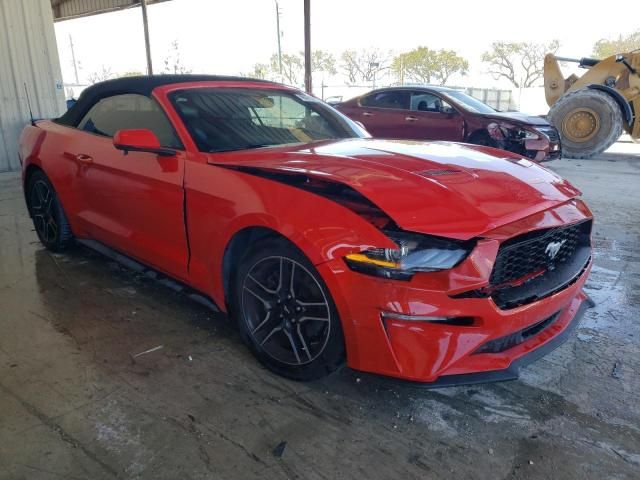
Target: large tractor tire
(589,122)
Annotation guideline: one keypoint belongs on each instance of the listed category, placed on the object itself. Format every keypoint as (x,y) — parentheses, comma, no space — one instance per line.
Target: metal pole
(147,44)
(307,46)
(279,46)
(73,59)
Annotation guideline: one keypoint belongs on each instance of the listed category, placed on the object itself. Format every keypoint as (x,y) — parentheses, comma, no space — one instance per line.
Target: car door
(430,117)
(383,113)
(133,202)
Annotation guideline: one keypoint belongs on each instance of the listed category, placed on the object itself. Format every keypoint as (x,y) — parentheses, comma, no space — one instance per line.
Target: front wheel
(589,122)
(286,314)
(483,139)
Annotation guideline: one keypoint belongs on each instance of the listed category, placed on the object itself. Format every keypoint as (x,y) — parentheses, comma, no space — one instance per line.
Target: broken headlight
(516,133)
(414,253)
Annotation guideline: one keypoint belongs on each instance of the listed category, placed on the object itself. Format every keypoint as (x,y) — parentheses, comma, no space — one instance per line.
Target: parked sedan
(440,113)
(432,262)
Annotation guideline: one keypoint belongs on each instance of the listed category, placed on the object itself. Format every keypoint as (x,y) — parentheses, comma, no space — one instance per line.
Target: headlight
(415,253)
(513,132)
(529,135)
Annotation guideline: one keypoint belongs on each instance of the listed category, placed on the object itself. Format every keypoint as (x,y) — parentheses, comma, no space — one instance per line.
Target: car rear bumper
(414,344)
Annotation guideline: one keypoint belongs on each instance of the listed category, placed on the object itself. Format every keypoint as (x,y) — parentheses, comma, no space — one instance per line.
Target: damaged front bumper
(540,144)
(429,330)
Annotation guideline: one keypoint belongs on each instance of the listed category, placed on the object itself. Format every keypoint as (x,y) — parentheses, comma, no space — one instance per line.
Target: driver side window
(129,111)
(284,112)
(428,102)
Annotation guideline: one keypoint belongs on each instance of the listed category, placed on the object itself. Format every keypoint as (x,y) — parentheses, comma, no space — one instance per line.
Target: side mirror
(448,110)
(140,140)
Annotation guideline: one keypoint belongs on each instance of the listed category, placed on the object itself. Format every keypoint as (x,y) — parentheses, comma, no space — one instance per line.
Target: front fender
(222,202)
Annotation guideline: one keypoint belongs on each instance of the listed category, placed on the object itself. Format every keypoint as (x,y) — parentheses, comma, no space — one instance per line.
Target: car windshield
(226,119)
(470,103)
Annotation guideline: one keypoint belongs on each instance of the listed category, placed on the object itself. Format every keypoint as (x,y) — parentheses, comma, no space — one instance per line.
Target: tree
(104,73)
(173,62)
(449,63)
(322,61)
(606,47)
(364,66)
(292,67)
(260,70)
(424,65)
(519,62)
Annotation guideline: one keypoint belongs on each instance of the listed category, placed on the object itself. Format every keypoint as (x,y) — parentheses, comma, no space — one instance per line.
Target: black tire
(276,299)
(483,138)
(45,209)
(589,121)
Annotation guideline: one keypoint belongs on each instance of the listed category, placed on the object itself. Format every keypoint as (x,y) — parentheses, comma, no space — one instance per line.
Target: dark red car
(437,262)
(440,113)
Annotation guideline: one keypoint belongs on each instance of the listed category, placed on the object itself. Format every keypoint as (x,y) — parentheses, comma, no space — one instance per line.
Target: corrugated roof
(66,9)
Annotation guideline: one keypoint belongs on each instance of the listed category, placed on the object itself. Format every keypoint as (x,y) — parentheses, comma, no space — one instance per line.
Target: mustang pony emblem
(553,248)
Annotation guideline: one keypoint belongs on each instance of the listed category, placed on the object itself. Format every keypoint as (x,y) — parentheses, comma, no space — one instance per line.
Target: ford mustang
(439,263)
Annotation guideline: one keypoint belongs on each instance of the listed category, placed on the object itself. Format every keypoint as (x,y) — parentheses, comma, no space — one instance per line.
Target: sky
(229,37)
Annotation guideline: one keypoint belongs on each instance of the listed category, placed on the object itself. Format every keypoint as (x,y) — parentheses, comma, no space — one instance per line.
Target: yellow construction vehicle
(591,111)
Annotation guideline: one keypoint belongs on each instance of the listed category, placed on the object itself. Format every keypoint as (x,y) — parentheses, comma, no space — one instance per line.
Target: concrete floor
(74,405)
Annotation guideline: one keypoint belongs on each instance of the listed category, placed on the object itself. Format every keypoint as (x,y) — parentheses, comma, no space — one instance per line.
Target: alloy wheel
(43,211)
(286,310)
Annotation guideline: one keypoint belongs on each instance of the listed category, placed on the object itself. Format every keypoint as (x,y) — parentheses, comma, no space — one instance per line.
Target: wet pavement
(77,403)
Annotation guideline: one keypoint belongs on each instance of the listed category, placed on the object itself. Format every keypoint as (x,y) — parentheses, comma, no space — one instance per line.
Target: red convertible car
(433,262)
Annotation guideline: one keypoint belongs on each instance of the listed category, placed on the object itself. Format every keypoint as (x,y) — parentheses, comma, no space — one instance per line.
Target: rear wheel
(589,122)
(286,314)
(45,208)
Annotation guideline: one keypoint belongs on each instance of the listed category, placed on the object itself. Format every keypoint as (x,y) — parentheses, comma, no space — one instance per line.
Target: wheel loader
(591,111)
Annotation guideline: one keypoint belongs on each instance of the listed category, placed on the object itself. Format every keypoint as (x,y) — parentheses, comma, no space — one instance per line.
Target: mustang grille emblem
(553,248)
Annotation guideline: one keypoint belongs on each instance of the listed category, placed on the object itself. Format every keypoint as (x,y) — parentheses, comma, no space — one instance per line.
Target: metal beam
(147,44)
(307,46)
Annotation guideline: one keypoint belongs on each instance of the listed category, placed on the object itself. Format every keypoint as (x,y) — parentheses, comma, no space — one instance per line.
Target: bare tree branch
(520,63)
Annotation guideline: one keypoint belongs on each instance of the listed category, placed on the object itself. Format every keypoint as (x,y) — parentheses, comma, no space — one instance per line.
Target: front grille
(509,341)
(550,132)
(530,253)
(537,264)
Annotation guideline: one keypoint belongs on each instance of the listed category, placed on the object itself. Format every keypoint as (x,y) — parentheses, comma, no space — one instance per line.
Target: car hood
(517,117)
(438,188)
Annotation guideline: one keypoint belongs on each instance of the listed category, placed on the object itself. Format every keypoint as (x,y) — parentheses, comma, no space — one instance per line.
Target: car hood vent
(437,172)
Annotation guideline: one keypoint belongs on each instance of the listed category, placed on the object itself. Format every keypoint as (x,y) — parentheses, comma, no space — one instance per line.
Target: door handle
(82,158)
(411,118)
(367,114)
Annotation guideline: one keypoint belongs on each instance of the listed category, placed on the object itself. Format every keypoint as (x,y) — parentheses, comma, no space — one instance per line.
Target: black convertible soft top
(141,85)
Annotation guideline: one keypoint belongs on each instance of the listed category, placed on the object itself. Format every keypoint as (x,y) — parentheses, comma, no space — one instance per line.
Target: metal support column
(147,44)
(307,46)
